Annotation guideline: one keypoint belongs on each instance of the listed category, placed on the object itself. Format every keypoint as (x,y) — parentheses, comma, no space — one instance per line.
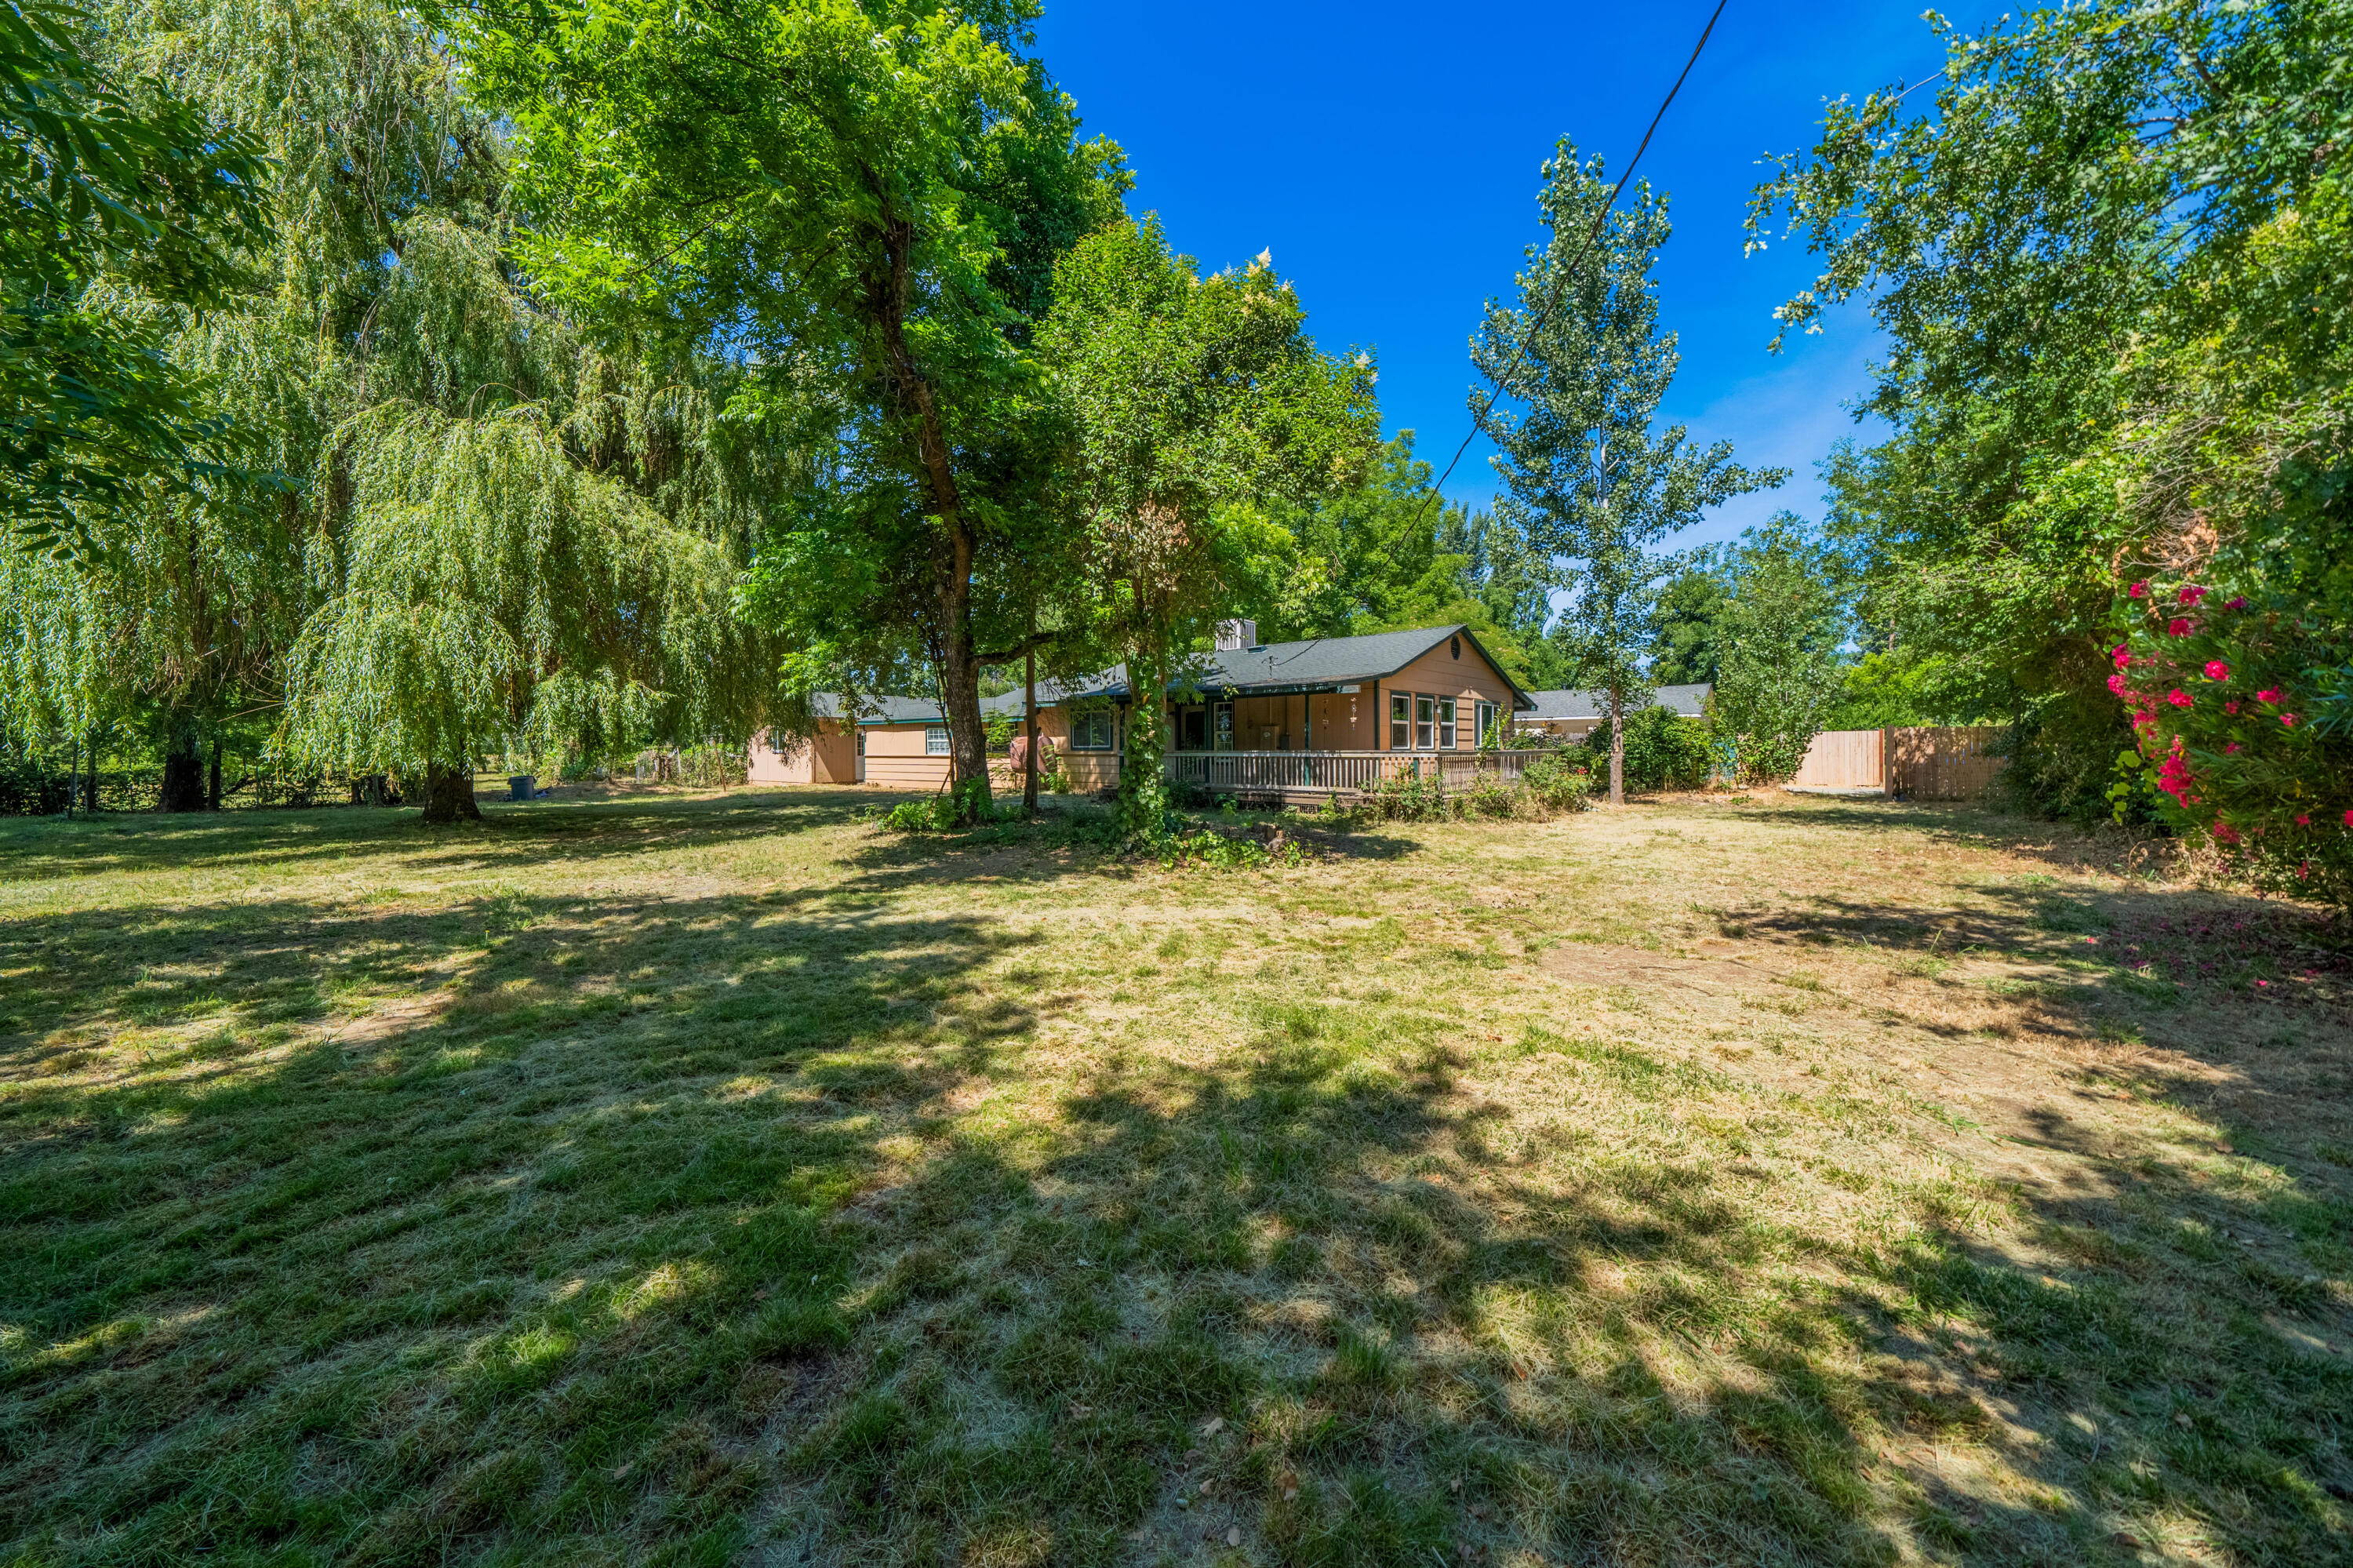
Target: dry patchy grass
(715,1181)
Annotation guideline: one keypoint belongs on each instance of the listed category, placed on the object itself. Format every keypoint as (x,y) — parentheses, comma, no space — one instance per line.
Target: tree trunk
(449,795)
(184,767)
(212,781)
(1030,731)
(1617,752)
(1142,791)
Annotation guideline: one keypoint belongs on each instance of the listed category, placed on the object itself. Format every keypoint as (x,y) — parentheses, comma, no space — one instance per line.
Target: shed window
(1446,723)
(1222,728)
(1485,715)
(1425,722)
(1091,731)
(935,740)
(1401,722)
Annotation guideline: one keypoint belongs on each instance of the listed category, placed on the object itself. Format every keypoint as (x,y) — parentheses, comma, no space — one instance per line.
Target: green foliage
(1688,649)
(1196,404)
(1393,555)
(2243,705)
(2110,259)
(1586,477)
(108,183)
(1663,750)
(873,224)
(1782,629)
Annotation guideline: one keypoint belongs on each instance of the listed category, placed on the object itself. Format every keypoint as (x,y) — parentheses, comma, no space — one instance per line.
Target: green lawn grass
(717,1180)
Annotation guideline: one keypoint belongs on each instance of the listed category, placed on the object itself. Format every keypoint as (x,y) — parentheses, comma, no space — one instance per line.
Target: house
(1433,692)
(1571,715)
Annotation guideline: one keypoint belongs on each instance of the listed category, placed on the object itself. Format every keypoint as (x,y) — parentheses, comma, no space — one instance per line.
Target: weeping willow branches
(481,585)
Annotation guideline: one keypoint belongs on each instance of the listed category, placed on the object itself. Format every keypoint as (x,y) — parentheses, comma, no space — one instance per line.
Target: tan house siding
(1468,679)
(895,758)
(830,758)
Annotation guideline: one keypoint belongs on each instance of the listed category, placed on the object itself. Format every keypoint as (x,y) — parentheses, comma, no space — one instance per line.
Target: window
(935,740)
(1446,723)
(1401,722)
(1193,729)
(1425,719)
(1485,715)
(1222,728)
(1092,730)
(779,743)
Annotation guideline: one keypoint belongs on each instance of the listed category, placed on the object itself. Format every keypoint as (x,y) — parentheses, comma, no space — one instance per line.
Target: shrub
(1664,751)
(2242,704)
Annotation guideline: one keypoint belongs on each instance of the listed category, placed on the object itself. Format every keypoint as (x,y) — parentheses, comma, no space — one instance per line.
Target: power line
(1593,235)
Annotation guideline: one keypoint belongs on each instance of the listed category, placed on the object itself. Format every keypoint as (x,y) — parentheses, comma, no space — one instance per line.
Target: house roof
(1687,701)
(1324,661)
(1315,665)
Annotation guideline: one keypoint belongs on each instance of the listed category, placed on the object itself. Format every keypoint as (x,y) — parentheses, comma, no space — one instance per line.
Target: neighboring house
(1434,689)
(1571,715)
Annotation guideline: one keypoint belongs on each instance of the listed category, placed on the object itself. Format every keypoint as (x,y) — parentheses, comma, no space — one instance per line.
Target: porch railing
(1247,772)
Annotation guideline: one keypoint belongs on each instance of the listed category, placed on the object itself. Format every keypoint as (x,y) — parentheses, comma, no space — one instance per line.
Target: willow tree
(860,203)
(552,479)
(1195,403)
(1581,368)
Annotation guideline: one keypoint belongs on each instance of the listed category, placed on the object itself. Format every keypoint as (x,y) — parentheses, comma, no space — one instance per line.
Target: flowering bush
(2243,710)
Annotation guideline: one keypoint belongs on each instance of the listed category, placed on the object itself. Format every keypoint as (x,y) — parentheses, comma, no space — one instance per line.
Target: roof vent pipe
(1236,635)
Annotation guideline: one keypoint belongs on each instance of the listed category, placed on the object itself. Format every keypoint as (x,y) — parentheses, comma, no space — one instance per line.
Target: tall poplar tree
(1583,366)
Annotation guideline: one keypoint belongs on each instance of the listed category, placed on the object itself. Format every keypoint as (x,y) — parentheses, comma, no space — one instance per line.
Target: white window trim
(935,740)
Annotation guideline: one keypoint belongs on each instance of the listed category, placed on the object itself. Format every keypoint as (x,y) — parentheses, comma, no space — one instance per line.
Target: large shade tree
(1195,403)
(491,505)
(860,203)
(1578,373)
(2107,251)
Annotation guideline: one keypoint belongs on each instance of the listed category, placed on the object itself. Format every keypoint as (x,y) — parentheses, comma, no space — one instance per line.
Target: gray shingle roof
(1273,666)
(1321,661)
(1688,701)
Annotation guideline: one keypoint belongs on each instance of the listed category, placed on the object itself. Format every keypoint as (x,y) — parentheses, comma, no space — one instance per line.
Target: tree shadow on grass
(763,1228)
(517,835)
(1311,1300)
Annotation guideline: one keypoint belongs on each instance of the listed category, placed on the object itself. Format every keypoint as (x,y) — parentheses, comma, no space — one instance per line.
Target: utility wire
(1561,276)
(1519,349)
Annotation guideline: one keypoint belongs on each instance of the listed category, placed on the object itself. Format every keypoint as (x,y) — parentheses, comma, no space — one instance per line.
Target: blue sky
(1389,156)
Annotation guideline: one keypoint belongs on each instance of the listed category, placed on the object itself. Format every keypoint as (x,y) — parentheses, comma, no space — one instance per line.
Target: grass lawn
(711,1179)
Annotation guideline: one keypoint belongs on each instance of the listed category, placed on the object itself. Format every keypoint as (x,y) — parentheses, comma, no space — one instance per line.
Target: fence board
(1947,762)
(1845,759)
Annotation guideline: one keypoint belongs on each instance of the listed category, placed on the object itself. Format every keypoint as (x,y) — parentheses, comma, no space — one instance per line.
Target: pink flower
(2348,819)
(2272,694)
(2231,707)
(2180,698)
(2192,595)
(2224,833)
(2094,940)
(2176,628)
(2288,719)
(2116,682)
(2139,591)
(2217,670)
(2238,603)
(2123,656)
(2229,748)
(2304,818)
(2262,983)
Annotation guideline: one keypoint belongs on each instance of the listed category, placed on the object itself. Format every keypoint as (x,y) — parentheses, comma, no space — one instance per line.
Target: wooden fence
(1327,772)
(1945,762)
(1845,759)
(1922,762)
